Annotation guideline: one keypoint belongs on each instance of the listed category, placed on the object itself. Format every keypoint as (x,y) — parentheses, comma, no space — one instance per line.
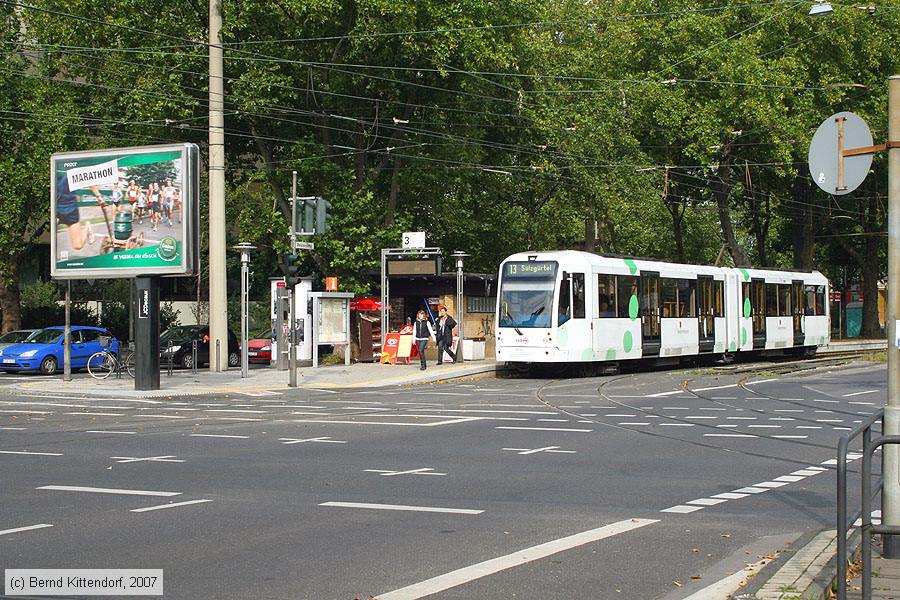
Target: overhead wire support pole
(218,301)
(292,338)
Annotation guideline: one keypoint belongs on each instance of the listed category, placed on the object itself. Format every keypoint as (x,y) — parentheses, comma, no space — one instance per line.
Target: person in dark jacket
(422,330)
(445,325)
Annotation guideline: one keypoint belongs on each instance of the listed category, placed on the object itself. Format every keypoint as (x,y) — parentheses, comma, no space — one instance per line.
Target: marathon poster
(121,213)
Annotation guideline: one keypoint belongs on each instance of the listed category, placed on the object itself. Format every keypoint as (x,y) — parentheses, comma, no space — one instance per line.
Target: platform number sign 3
(414,239)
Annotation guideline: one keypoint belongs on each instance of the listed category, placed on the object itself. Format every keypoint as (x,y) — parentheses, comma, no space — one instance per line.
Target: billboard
(124,212)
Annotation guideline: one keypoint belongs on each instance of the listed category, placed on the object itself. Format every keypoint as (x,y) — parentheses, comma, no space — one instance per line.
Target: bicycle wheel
(129,364)
(100,365)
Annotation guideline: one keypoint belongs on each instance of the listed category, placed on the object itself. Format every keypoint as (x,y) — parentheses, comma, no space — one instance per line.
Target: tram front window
(526,294)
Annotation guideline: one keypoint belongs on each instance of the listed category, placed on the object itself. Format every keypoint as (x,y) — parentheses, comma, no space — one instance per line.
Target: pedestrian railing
(844,523)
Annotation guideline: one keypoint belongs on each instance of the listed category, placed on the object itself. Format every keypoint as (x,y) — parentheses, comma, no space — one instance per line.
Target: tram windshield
(526,293)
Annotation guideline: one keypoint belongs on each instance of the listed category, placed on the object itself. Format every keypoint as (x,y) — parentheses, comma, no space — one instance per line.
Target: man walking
(445,325)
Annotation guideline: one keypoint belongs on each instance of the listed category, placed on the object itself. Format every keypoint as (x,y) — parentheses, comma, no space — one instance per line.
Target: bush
(41,307)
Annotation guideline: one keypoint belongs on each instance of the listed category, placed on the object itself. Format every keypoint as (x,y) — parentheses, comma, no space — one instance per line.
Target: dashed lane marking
(552,449)
(861,393)
(133,459)
(681,509)
(97,490)
(218,435)
(495,565)
(403,507)
(30,453)
(27,528)
(560,429)
(173,505)
(102,431)
(389,473)
(320,440)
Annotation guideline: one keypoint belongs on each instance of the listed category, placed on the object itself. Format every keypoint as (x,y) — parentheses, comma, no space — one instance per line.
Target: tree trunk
(676,208)
(265,151)
(802,225)
(391,209)
(721,192)
(10,305)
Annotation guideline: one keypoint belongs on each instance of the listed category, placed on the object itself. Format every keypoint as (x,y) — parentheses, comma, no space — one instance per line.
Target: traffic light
(291,270)
(309,215)
(322,216)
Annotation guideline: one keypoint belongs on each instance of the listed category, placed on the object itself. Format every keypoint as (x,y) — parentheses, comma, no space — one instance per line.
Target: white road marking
(322,440)
(402,507)
(230,418)
(92,414)
(681,509)
(726,587)
(389,473)
(161,416)
(706,501)
(30,453)
(28,528)
(791,437)
(495,565)
(829,420)
(131,459)
(14,428)
(634,423)
(260,393)
(711,408)
(554,449)
(619,415)
(788,410)
(234,410)
(28,412)
(675,408)
(676,424)
(770,484)
(435,424)
(699,417)
(782,419)
(860,393)
(825,401)
(727,426)
(733,435)
(473,410)
(751,490)
(806,472)
(101,431)
(740,418)
(96,490)
(162,506)
(217,435)
(553,420)
(790,478)
(808,427)
(729,496)
(763,426)
(862,403)
(545,429)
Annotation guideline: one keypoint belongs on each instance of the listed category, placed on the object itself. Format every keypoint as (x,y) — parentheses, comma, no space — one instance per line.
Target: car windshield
(182,332)
(14,337)
(45,336)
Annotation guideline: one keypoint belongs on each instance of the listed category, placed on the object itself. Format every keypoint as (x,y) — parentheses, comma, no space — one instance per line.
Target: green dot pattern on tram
(627,341)
(632,268)
(587,354)
(633,307)
(744,274)
(747,308)
(611,354)
(743,336)
(732,347)
(562,336)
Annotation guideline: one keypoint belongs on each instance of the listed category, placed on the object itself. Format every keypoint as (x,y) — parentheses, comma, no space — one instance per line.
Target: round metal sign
(829,167)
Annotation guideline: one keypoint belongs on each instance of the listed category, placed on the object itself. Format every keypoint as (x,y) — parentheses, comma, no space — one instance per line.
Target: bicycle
(101,364)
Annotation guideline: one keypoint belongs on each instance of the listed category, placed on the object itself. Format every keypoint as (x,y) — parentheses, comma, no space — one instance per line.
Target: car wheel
(187,361)
(234,359)
(48,365)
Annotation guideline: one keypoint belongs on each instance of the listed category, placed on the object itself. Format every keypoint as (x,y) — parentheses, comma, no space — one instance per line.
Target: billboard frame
(190,254)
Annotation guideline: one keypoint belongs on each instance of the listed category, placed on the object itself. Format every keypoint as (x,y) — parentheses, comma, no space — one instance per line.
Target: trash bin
(473,349)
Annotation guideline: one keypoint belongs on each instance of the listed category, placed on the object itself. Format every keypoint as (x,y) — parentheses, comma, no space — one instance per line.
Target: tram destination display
(530,270)
(124,212)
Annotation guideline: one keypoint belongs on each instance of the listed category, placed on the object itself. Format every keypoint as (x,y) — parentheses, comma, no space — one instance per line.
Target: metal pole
(292,347)
(891,453)
(218,302)
(460,309)
(67,336)
(385,297)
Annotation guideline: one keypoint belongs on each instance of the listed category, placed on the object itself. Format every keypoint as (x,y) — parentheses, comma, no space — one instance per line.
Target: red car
(260,347)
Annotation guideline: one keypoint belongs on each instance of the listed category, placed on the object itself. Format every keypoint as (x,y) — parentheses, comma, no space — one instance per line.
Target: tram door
(758,301)
(650,313)
(799,304)
(706,314)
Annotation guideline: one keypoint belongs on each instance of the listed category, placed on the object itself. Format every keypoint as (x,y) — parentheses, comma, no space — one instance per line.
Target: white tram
(577,307)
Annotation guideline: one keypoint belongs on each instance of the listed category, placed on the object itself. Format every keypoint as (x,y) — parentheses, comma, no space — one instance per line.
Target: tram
(577,307)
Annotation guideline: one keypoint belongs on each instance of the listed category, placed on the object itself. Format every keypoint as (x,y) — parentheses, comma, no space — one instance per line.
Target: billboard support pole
(146,333)
(218,304)
(67,336)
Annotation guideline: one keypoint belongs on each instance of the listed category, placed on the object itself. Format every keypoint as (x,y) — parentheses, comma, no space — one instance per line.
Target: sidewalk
(260,380)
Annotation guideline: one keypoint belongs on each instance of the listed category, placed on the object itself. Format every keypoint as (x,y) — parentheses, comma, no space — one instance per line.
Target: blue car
(43,350)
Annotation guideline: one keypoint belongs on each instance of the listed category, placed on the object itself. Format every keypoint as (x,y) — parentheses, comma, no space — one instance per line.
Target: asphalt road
(628,487)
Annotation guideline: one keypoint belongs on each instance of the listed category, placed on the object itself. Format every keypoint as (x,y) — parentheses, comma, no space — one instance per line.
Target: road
(632,487)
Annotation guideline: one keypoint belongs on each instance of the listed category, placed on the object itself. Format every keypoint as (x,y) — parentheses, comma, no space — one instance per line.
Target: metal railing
(865,512)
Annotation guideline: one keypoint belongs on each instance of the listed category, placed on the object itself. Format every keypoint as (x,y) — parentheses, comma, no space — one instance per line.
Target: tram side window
(668,297)
(606,296)
(815,300)
(771,300)
(719,298)
(578,295)
(565,300)
(784,301)
(687,298)
(626,288)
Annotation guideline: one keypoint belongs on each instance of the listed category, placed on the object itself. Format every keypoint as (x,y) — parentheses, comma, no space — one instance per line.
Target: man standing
(445,325)
(421,332)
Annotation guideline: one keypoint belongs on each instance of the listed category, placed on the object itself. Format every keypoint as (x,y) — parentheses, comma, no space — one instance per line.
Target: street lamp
(820,9)
(459,255)
(245,249)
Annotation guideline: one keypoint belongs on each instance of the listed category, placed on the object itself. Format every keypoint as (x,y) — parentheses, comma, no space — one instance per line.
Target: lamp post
(245,249)
(459,255)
